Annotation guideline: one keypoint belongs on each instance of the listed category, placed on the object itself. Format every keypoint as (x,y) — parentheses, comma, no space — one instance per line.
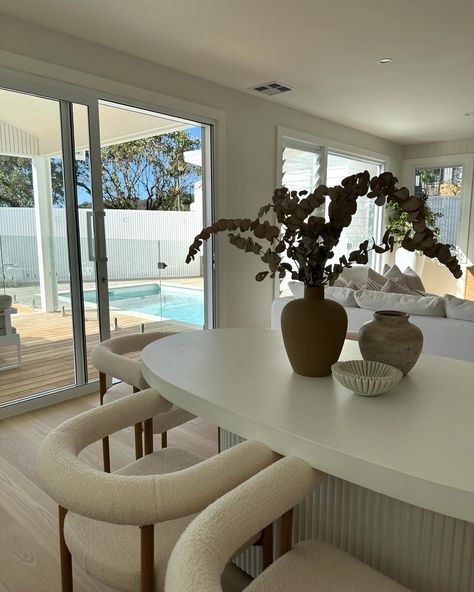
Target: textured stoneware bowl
(366,378)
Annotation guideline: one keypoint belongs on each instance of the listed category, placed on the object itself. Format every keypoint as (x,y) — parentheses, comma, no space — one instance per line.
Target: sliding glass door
(152,186)
(98,205)
(34,262)
(40,261)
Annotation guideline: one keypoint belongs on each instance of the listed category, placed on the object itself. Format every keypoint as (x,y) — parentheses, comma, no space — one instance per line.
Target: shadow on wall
(437,279)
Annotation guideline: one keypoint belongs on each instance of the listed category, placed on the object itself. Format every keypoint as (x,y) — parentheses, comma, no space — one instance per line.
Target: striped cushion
(370,284)
(340,282)
(413,280)
(396,287)
(351,285)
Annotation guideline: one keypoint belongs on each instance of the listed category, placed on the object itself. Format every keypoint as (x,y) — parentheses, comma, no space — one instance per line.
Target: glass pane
(366,221)
(442,188)
(86,233)
(34,262)
(300,169)
(153,196)
(301,172)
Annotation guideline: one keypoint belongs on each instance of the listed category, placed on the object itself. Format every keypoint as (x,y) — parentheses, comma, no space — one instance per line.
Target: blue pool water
(175,303)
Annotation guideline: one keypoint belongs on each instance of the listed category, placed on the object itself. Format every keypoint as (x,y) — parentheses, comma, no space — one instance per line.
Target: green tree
(16,182)
(149,172)
(400,225)
(57,182)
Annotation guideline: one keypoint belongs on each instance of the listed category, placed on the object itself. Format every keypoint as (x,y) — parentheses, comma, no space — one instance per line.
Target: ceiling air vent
(271,88)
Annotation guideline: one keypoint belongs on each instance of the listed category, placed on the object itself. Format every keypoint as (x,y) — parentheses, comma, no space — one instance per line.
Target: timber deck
(47,349)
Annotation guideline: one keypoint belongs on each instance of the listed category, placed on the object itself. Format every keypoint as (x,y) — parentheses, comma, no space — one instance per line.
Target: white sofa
(446,328)
(453,338)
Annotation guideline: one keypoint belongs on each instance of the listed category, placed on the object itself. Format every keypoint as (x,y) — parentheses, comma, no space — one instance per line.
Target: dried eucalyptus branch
(309,240)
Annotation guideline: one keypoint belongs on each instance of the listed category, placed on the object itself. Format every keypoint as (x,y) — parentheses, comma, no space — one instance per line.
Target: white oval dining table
(414,443)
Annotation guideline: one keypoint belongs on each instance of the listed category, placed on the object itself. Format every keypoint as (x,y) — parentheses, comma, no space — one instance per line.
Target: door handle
(101,245)
(90,237)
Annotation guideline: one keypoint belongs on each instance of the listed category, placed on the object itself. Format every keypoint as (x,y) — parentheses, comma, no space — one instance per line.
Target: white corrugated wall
(136,241)
(425,551)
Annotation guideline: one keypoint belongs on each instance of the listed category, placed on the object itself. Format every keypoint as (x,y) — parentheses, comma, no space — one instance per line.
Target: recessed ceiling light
(384,61)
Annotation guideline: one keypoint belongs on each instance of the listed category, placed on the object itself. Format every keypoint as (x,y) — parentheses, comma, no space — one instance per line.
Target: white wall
(246,152)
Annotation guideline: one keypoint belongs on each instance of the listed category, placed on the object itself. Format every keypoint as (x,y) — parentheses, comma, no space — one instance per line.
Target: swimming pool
(169,302)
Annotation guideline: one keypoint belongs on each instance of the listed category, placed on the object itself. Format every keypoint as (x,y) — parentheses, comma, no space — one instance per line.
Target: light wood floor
(47,353)
(28,517)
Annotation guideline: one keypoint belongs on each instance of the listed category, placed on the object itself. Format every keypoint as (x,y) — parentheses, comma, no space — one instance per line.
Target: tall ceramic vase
(313,329)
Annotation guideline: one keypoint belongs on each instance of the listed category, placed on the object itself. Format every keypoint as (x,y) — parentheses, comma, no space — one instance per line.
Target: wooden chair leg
(138,434)
(138,441)
(102,386)
(147,537)
(65,555)
(164,439)
(286,532)
(105,441)
(267,546)
(106,454)
(148,437)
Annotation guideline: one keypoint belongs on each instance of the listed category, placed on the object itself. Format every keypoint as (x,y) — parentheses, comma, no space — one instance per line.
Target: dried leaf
(309,240)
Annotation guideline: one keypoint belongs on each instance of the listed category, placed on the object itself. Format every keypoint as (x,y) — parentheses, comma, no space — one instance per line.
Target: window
(305,165)
(301,165)
(442,187)
(367,221)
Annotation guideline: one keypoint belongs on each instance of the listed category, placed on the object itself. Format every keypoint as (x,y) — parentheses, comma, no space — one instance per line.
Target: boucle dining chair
(111,360)
(202,552)
(122,526)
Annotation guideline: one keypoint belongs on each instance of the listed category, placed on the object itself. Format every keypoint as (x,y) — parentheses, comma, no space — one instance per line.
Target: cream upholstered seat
(314,565)
(201,554)
(109,359)
(111,552)
(161,493)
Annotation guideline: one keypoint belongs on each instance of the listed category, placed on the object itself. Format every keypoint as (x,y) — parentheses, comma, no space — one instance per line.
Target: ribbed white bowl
(366,378)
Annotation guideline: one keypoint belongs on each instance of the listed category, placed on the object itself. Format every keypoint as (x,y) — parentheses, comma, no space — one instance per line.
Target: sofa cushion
(344,296)
(394,273)
(409,277)
(340,282)
(296,288)
(352,285)
(398,287)
(374,281)
(413,280)
(419,305)
(371,285)
(356,273)
(458,308)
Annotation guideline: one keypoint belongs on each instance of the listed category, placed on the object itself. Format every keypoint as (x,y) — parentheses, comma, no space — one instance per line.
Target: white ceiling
(41,118)
(326,49)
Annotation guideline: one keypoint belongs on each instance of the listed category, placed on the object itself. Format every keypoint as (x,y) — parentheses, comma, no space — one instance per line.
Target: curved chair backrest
(108,357)
(213,537)
(136,500)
